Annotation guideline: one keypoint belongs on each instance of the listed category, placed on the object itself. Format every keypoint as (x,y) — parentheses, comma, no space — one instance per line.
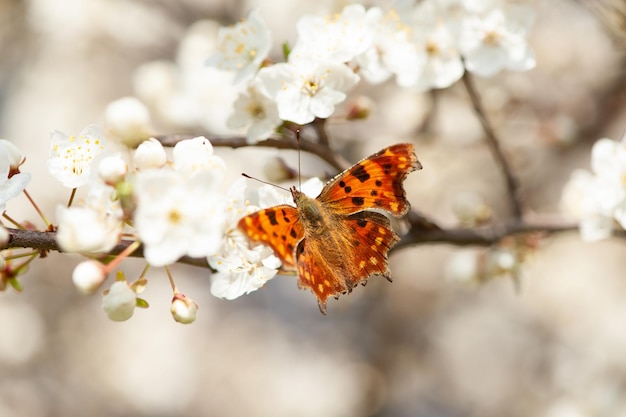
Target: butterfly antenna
(299,165)
(264,182)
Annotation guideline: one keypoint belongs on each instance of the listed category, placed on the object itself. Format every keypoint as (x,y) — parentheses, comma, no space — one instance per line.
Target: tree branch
(512,183)
(482,236)
(422,231)
(46,241)
(323,152)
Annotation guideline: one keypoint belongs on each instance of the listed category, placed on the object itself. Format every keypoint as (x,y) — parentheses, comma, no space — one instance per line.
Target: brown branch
(321,151)
(482,236)
(512,183)
(46,241)
(422,231)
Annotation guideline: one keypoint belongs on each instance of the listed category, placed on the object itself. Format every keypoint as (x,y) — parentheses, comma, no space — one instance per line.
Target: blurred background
(432,343)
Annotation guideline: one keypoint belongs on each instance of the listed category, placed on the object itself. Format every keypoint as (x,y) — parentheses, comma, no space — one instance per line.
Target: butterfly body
(336,241)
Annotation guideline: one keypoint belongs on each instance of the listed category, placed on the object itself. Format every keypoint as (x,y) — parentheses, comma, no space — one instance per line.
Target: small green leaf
(141,303)
(286,50)
(120,276)
(16,284)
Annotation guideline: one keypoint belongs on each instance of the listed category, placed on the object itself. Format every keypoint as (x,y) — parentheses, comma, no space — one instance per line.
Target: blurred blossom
(242,47)
(12,182)
(88,276)
(337,38)
(71,157)
(598,198)
(119,301)
(196,155)
(497,41)
(128,120)
(94,227)
(471,209)
(112,169)
(464,266)
(149,154)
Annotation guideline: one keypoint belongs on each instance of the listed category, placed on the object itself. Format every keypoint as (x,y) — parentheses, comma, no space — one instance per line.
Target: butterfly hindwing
(278,227)
(374,183)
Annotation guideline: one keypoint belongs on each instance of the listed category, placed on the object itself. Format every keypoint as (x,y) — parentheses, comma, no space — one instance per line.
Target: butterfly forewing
(278,227)
(374,183)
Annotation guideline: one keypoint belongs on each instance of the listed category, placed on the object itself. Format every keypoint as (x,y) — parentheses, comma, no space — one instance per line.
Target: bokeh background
(426,345)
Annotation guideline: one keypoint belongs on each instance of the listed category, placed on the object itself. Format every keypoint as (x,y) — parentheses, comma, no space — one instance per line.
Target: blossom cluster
(425,46)
(597,198)
(173,204)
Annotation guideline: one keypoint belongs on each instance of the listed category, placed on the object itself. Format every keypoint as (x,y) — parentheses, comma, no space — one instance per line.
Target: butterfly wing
(373,183)
(331,267)
(278,227)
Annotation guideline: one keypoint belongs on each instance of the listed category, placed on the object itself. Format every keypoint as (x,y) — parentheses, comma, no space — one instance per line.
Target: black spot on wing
(358,201)
(360,173)
(271,214)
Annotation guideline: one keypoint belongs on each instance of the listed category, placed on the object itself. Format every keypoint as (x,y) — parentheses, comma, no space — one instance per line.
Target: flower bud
(128,120)
(112,169)
(360,108)
(471,209)
(88,276)
(150,154)
(119,301)
(183,309)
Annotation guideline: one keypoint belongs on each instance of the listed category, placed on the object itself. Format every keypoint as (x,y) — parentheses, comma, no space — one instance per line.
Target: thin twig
(512,183)
(319,125)
(37,209)
(323,152)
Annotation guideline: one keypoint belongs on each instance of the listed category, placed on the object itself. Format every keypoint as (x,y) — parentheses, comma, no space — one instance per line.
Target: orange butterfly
(334,240)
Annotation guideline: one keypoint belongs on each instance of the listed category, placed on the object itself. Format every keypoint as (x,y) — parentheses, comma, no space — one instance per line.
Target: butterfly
(336,241)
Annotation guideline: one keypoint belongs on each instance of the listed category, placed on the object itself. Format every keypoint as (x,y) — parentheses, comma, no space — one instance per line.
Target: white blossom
(598,198)
(336,38)
(256,112)
(242,47)
(71,158)
(497,41)
(305,89)
(16,157)
(239,269)
(177,215)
